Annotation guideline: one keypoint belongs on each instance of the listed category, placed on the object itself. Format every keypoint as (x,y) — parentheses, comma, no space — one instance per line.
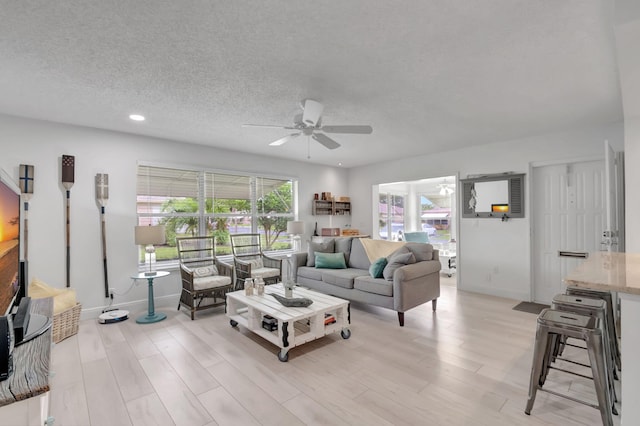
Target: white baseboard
(135,306)
(498,292)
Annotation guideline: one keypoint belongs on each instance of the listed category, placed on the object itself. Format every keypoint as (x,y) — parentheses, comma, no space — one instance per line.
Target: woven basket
(65,324)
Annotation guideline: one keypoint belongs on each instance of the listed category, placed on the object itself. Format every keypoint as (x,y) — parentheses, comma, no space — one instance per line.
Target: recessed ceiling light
(136,117)
(340,164)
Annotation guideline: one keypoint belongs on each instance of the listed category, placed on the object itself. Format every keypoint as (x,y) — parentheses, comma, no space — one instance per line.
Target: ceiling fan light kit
(309,123)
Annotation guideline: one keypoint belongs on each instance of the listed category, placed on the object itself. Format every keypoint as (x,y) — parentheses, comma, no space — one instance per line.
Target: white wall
(493,256)
(627,44)
(42,144)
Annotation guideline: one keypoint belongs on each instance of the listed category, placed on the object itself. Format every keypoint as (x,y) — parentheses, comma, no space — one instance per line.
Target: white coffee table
(295,325)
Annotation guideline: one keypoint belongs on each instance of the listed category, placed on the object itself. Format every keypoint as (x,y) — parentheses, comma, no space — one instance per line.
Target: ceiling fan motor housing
(311,112)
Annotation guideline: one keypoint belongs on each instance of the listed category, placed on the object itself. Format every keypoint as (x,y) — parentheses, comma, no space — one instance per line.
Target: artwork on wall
(102,195)
(26,188)
(68,179)
(499,196)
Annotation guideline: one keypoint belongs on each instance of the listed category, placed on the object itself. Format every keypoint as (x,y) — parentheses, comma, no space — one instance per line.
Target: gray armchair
(251,262)
(205,279)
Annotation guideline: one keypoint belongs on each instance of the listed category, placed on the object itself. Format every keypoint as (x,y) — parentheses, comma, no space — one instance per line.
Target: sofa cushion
(421,251)
(374,285)
(416,237)
(265,272)
(376,268)
(342,277)
(211,281)
(310,272)
(358,258)
(399,258)
(325,246)
(343,245)
(330,260)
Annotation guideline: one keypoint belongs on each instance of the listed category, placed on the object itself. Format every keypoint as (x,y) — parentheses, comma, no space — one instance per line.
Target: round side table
(151,316)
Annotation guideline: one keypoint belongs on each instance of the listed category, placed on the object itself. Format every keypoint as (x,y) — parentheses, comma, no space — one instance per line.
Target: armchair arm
(243,269)
(187,277)
(272,262)
(297,260)
(224,268)
(416,284)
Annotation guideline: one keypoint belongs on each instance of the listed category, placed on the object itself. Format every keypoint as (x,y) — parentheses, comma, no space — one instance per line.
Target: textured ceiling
(428,75)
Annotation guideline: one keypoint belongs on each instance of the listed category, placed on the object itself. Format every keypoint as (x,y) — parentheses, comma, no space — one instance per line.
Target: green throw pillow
(376,268)
(330,260)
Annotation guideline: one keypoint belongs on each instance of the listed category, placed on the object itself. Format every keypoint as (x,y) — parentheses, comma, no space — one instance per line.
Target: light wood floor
(467,364)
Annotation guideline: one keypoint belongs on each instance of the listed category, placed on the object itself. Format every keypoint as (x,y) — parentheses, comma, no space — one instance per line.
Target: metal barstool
(594,308)
(611,321)
(553,324)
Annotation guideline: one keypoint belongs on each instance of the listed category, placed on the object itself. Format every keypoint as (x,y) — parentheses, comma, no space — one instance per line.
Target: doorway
(426,205)
(569,217)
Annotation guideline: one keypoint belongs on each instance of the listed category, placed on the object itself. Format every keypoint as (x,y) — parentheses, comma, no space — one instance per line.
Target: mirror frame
(516,196)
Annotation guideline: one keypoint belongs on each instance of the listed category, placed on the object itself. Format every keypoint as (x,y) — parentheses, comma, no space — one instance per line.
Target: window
(425,205)
(391,216)
(202,202)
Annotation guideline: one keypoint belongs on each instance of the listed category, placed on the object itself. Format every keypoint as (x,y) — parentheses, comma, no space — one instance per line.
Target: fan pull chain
(308,148)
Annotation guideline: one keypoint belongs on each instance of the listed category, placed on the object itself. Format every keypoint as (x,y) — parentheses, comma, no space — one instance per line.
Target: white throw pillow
(205,271)
(256,263)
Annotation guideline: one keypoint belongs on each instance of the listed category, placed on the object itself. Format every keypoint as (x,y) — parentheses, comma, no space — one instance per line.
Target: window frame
(203,193)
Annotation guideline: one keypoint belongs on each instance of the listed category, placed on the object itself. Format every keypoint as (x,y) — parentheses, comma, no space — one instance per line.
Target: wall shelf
(328,207)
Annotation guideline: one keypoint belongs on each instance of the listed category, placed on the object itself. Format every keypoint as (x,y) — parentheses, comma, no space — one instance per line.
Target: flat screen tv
(9,243)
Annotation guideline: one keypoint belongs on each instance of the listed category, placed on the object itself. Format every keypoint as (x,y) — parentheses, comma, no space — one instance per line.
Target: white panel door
(568,216)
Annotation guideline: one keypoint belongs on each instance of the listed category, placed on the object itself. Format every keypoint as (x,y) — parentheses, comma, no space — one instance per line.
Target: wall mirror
(493,196)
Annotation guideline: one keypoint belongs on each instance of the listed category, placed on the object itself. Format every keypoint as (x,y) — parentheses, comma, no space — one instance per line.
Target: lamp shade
(295,227)
(146,235)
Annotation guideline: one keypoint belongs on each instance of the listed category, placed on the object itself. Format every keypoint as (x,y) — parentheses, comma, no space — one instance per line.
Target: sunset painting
(9,214)
(9,245)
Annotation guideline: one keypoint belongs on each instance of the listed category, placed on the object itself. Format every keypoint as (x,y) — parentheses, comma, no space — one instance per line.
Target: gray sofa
(409,285)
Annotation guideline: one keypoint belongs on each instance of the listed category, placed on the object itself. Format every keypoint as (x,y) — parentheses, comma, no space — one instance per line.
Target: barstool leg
(613,341)
(611,366)
(595,347)
(553,343)
(539,353)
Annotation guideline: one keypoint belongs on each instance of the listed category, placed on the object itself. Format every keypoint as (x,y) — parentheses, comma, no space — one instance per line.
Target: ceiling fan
(309,123)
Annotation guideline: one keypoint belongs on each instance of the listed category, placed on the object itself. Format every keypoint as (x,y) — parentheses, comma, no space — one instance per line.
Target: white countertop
(608,271)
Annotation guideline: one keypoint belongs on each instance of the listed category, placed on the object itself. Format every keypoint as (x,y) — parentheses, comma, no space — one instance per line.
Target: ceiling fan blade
(284,140)
(311,112)
(361,130)
(325,140)
(270,126)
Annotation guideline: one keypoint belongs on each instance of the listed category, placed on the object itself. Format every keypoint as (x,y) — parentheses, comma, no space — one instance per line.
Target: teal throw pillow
(330,260)
(324,246)
(376,268)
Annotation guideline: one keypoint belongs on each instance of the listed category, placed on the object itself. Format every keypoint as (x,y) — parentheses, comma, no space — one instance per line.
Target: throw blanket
(376,249)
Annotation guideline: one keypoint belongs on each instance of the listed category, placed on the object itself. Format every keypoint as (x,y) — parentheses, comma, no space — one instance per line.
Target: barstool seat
(553,324)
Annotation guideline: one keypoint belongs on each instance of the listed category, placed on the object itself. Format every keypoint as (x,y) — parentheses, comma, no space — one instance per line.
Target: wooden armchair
(205,280)
(250,262)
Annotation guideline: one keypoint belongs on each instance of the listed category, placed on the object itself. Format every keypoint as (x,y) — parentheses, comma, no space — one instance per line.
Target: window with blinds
(202,202)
